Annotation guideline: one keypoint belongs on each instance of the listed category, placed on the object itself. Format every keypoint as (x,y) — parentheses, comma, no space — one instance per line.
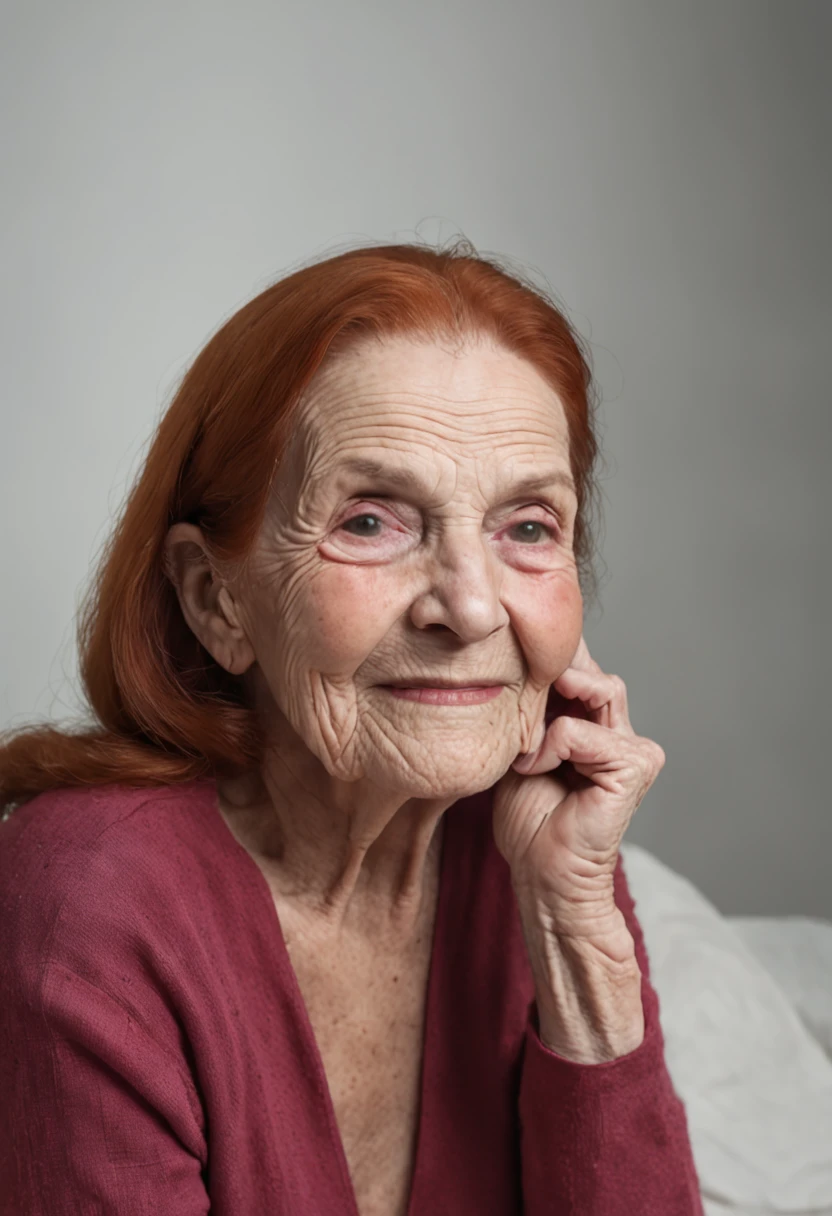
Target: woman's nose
(461,589)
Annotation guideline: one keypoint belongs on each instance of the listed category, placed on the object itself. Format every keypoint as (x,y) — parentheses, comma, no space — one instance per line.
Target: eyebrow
(408,479)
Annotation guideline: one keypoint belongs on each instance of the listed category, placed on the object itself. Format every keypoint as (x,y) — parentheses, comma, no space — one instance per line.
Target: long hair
(163,710)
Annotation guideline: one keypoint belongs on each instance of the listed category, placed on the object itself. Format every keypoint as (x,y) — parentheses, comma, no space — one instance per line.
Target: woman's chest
(368,1018)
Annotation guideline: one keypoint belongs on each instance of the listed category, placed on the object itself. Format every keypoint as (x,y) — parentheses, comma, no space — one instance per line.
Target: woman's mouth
(469,695)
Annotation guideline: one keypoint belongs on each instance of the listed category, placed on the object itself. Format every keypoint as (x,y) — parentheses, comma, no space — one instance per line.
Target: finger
(617,764)
(605,696)
(621,765)
(583,660)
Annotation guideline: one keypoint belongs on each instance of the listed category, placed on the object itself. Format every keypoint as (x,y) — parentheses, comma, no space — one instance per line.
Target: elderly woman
(325,912)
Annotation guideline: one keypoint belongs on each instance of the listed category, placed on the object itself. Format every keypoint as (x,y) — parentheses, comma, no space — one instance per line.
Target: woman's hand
(560,832)
(560,835)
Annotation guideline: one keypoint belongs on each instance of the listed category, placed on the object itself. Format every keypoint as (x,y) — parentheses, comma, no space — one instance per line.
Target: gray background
(664,166)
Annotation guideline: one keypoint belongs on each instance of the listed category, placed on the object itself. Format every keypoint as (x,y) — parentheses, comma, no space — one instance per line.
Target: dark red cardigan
(156,1058)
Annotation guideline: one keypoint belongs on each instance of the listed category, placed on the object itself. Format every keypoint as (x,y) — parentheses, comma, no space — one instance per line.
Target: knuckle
(647,765)
(647,771)
(652,753)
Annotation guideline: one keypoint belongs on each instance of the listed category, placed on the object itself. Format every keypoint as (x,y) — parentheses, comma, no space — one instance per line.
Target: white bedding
(797,951)
(746,1012)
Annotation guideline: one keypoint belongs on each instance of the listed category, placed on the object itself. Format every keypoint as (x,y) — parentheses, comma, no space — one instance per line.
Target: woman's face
(359,581)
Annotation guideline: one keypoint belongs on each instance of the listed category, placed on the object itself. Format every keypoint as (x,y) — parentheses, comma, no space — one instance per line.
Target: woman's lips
(446,696)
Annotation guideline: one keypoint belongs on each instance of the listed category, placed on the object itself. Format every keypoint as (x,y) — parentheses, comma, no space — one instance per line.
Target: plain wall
(664,166)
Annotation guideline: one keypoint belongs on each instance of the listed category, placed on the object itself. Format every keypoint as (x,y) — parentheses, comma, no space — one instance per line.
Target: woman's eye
(362,531)
(536,523)
(532,527)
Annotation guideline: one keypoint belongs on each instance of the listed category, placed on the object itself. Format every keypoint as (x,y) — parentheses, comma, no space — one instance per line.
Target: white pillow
(712,1207)
(756,1086)
(797,951)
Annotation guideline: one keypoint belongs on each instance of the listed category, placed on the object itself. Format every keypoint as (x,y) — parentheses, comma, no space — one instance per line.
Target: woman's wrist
(588,994)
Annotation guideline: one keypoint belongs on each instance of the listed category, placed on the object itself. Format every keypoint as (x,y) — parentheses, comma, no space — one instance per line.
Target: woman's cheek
(348,614)
(548,621)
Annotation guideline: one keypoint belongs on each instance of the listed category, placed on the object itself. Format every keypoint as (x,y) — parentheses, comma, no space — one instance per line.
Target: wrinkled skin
(460,579)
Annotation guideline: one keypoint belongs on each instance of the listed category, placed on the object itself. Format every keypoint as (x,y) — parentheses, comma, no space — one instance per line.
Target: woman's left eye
(536,523)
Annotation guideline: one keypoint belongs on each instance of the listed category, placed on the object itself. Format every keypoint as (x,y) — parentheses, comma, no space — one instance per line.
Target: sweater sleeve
(100,1111)
(606,1139)
(96,1115)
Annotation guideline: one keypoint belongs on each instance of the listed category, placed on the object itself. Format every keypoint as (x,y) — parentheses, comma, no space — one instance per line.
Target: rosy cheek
(567,606)
(548,621)
(570,611)
(348,614)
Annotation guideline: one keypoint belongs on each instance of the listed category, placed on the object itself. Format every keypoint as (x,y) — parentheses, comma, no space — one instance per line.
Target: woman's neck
(346,870)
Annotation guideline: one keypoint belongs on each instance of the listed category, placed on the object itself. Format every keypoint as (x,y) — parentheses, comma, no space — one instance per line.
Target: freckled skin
(455,580)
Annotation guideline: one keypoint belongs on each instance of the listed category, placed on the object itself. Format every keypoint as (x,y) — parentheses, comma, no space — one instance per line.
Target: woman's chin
(458,775)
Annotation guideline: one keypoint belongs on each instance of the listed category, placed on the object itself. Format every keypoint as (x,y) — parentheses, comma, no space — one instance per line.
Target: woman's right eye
(356,518)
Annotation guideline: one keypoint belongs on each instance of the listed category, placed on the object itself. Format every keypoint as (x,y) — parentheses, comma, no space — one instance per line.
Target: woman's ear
(206,603)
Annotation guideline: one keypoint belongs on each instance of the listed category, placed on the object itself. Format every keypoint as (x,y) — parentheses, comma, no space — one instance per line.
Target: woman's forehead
(412,411)
(479,370)
(407,394)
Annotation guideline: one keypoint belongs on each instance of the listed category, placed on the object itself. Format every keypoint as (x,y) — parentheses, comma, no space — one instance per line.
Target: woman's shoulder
(75,861)
(60,831)
(104,948)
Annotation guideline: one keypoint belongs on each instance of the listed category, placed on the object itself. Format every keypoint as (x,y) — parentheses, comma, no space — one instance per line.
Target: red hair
(164,710)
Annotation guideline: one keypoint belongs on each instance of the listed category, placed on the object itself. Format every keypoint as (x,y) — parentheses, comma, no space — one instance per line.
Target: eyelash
(553,530)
